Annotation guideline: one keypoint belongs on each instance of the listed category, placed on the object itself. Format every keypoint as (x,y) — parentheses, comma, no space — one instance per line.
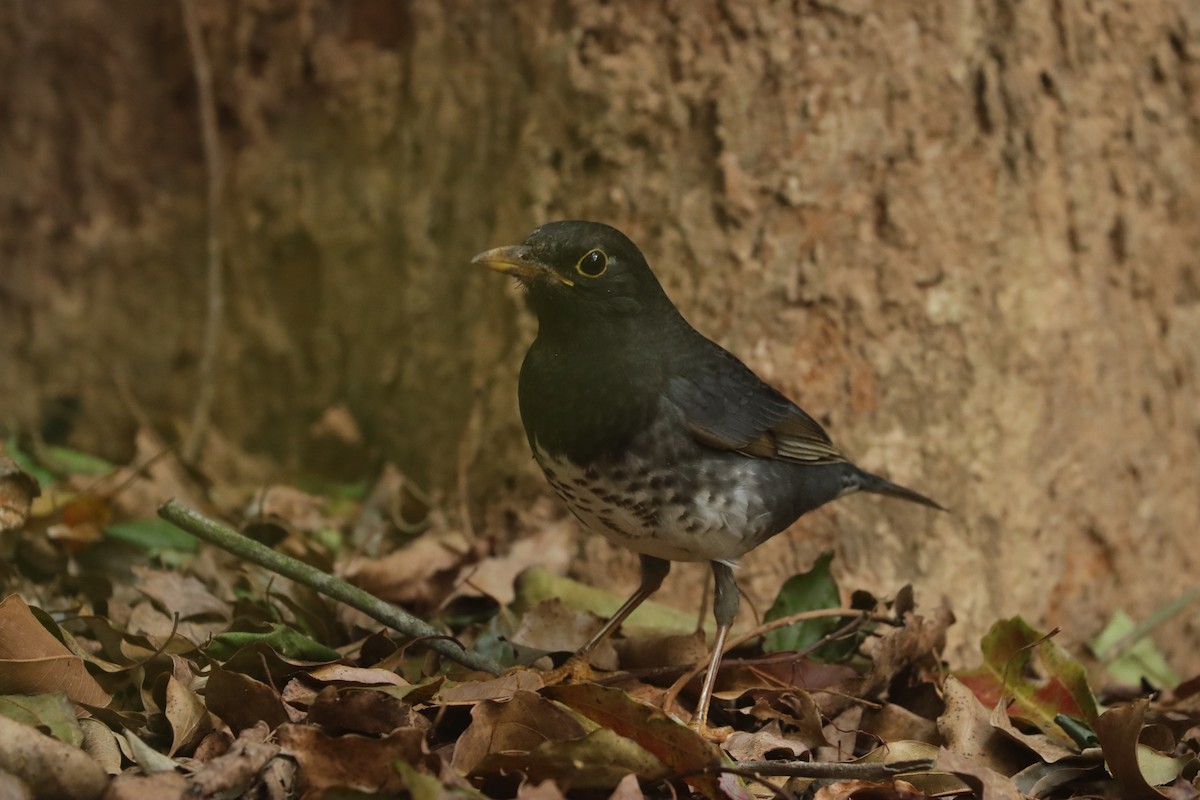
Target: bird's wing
(726,406)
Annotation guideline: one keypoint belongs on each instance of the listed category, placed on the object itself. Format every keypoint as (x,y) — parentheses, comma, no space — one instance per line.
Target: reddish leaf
(1040,677)
(675,744)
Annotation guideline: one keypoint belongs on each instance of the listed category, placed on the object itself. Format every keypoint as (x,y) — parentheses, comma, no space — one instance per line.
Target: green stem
(233,542)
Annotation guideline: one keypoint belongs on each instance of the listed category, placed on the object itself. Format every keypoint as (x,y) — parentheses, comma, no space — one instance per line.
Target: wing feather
(727,407)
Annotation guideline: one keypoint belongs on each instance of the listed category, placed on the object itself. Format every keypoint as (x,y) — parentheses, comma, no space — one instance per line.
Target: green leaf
(286,641)
(151,533)
(1142,660)
(73,462)
(51,711)
(809,591)
(44,477)
(1040,677)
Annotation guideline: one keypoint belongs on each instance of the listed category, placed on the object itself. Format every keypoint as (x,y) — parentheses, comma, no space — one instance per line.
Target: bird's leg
(725,608)
(654,571)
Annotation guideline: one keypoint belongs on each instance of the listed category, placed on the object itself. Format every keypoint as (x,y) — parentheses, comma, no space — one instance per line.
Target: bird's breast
(664,496)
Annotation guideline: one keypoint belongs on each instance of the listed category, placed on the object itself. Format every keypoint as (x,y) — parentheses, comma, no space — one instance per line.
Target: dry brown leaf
(672,650)
(550,547)
(32,661)
(49,767)
(892,723)
(17,490)
(232,774)
(358,710)
(875,790)
(100,743)
(987,783)
(176,593)
(362,676)
(159,786)
(554,628)
(917,643)
(1119,730)
(967,730)
(679,747)
(518,725)
(351,761)
(756,746)
(420,574)
(500,689)
(144,488)
(242,702)
(189,719)
(298,510)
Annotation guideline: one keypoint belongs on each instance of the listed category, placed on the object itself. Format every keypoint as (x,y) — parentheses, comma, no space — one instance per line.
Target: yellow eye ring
(593,264)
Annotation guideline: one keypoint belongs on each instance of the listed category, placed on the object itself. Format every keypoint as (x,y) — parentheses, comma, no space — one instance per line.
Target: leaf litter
(135,663)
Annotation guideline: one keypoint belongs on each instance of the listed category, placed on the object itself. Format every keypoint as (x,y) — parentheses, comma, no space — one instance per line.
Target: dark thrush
(653,435)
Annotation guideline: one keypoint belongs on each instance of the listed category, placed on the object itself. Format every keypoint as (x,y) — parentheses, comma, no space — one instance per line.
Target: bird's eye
(593,264)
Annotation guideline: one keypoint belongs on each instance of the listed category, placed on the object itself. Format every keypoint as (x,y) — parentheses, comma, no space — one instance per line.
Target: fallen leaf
(354,762)
(360,676)
(176,593)
(1137,767)
(241,701)
(159,786)
(809,591)
(100,743)
(145,756)
(931,782)
(1141,660)
(360,710)
(17,490)
(875,790)
(1041,678)
(550,548)
(552,627)
(597,761)
(520,724)
(189,719)
(32,661)
(683,750)
(501,688)
(537,584)
(968,732)
(987,783)
(762,744)
(420,575)
(232,774)
(51,713)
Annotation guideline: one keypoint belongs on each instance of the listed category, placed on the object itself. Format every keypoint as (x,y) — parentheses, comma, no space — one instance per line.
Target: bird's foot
(574,670)
(717,735)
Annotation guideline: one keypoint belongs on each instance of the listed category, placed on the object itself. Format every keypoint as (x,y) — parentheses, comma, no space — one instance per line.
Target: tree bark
(963,235)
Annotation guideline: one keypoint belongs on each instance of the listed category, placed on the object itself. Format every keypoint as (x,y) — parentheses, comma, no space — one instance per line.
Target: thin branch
(215,168)
(233,542)
(857,770)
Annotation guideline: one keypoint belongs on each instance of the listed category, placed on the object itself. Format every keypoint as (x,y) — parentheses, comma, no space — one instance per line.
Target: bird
(653,435)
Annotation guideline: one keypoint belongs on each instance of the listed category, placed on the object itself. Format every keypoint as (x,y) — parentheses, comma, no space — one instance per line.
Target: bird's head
(576,270)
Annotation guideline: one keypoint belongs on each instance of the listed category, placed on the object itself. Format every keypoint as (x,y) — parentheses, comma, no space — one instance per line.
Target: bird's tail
(869,482)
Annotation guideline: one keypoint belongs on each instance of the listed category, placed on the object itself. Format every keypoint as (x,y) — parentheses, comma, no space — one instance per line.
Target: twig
(838,771)
(233,542)
(215,168)
(803,616)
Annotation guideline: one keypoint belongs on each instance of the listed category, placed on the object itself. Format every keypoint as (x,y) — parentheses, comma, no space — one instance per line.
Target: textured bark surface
(963,234)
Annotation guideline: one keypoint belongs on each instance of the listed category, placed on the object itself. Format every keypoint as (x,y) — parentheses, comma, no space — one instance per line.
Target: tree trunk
(963,235)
